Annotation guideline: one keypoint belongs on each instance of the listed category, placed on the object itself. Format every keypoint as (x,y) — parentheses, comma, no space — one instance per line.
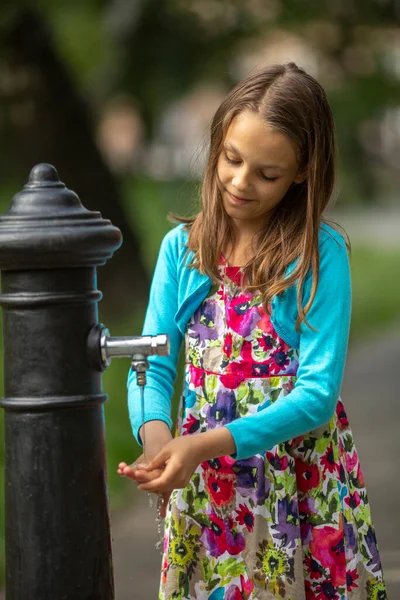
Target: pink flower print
(265,343)
(235,274)
(196,376)
(360,476)
(228,345)
(243,366)
(265,323)
(231,381)
(222,463)
(245,517)
(351,578)
(247,587)
(328,548)
(307,475)
(190,425)
(307,506)
(353,500)
(220,486)
(327,591)
(233,592)
(351,461)
(280,463)
(314,569)
(241,317)
(222,536)
(341,415)
(328,460)
(279,361)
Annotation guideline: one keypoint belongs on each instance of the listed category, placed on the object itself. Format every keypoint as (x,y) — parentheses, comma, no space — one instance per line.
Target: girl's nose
(240,181)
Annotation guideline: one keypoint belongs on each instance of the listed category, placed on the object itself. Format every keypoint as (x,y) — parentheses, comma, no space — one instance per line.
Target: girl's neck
(241,251)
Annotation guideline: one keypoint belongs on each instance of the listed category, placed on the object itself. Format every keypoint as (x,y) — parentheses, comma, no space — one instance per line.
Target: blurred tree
(156,50)
(50,122)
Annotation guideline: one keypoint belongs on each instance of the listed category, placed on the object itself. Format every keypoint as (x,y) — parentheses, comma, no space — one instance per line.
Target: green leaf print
(242,409)
(202,401)
(183,584)
(205,567)
(187,495)
(274,382)
(322,444)
(215,343)
(332,486)
(287,481)
(308,446)
(196,481)
(211,383)
(260,355)
(201,519)
(274,394)
(223,568)
(199,504)
(206,323)
(332,509)
(315,519)
(364,552)
(211,584)
(255,300)
(254,397)
(241,393)
(348,443)
(364,513)
(230,568)
(194,356)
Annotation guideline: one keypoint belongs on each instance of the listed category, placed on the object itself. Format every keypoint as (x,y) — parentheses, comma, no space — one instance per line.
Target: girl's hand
(157,435)
(136,471)
(182,455)
(174,465)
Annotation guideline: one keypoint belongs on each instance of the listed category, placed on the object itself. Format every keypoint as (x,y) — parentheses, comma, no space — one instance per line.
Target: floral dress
(291,523)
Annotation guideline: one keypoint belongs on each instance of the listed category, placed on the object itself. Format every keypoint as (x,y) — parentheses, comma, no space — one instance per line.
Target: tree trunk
(51,123)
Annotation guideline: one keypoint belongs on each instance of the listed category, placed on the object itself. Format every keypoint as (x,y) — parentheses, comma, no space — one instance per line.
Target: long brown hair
(295,104)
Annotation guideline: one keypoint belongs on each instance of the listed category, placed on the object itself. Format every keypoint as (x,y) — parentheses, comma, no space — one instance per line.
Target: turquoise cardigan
(177,291)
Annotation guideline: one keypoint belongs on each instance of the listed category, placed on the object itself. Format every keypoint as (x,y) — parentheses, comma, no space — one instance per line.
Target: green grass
(376,302)
(376,290)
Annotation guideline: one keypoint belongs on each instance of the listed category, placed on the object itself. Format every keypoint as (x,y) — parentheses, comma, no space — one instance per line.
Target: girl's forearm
(155,431)
(214,443)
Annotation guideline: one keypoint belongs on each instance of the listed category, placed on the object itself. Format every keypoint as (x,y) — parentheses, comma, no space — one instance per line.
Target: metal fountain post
(57,521)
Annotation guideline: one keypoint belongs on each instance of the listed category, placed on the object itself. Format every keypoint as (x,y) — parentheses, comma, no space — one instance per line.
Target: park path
(371,396)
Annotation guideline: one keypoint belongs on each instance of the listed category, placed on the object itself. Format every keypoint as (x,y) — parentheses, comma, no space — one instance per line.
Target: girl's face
(255,169)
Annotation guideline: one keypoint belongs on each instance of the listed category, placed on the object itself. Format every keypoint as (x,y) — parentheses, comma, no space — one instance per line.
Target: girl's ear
(301,176)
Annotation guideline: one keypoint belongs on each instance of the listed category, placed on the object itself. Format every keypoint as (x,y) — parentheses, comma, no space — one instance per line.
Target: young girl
(266,495)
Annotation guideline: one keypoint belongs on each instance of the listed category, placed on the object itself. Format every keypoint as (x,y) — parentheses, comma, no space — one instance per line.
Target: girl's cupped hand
(173,466)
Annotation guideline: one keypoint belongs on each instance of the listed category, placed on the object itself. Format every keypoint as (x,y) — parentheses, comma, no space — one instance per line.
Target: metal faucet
(102,349)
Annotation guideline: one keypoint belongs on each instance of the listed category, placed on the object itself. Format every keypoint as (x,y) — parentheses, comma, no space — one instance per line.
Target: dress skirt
(292,523)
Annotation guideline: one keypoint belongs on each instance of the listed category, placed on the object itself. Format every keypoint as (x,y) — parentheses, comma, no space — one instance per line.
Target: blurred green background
(118,96)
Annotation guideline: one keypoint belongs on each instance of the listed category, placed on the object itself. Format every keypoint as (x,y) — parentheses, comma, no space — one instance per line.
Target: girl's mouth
(239,201)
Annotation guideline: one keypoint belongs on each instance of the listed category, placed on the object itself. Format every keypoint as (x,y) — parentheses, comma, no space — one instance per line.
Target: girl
(266,499)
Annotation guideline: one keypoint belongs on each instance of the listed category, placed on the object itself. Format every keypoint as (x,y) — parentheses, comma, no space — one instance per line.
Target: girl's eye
(233,162)
(230,161)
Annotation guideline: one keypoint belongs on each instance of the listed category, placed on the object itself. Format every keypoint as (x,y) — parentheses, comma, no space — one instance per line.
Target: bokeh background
(118,95)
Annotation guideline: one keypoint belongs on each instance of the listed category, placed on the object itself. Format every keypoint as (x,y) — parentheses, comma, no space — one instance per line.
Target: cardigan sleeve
(160,318)
(322,355)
